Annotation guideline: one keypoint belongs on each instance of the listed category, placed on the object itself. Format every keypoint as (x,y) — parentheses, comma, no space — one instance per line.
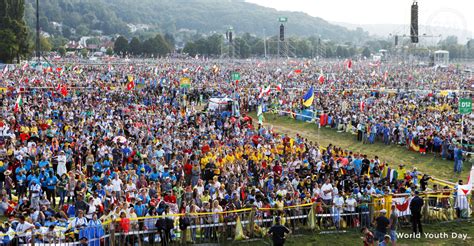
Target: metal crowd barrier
(247,223)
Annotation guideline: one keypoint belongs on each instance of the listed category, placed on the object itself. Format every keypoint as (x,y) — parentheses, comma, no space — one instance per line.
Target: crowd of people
(85,144)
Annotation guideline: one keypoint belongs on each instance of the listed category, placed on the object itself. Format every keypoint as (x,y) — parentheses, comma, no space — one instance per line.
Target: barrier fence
(219,227)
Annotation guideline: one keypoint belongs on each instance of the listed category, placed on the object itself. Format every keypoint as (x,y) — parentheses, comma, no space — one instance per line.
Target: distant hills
(83,17)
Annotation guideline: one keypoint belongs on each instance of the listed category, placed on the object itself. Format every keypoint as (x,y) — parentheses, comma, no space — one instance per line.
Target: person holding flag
(131,83)
(308,98)
(260,114)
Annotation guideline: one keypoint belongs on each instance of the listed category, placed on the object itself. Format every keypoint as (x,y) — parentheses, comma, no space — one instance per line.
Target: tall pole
(264,43)
(38,52)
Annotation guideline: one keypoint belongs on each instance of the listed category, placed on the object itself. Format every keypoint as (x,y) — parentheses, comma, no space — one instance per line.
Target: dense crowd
(84,144)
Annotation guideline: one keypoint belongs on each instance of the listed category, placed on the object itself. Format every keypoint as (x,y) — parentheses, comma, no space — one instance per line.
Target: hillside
(203,16)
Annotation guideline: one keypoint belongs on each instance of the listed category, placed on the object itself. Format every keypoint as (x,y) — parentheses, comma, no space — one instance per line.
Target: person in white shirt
(338,203)
(22,228)
(79,222)
(351,204)
(61,163)
(35,190)
(370,189)
(117,185)
(109,187)
(92,208)
(326,192)
(131,187)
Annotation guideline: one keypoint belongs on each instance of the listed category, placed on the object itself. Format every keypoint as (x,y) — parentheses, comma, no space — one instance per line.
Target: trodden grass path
(449,233)
(392,154)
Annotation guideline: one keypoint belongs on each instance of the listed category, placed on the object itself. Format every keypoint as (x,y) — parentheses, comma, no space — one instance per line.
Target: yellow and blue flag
(308,97)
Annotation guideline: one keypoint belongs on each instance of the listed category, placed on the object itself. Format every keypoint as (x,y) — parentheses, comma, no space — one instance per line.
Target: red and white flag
(264,91)
(25,66)
(402,205)
(376,64)
(260,94)
(362,105)
(130,85)
(385,76)
(278,87)
(467,188)
(267,90)
(290,74)
(321,77)
(349,64)
(18,104)
(5,70)
(131,68)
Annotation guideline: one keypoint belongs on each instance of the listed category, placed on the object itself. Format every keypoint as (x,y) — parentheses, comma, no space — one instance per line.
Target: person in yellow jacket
(401,172)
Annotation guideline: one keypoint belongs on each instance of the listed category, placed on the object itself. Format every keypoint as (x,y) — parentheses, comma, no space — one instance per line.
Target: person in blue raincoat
(94,231)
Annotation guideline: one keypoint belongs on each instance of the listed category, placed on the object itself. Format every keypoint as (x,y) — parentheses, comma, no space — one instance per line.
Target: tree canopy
(13,31)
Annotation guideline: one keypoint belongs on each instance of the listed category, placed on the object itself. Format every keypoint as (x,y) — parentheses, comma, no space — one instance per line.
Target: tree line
(14,42)
(151,47)
(248,45)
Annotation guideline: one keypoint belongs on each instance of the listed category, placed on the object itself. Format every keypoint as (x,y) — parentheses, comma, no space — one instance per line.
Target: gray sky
(447,13)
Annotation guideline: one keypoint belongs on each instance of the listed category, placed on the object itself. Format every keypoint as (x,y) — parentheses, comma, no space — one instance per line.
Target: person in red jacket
(124,226)
(277,169)
(170,197)
(188,169)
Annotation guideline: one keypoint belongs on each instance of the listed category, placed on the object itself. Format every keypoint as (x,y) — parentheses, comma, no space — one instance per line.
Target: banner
(185,82)
(402,205)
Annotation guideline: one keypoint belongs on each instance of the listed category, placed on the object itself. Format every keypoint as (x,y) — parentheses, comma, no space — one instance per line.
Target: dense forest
(83,17)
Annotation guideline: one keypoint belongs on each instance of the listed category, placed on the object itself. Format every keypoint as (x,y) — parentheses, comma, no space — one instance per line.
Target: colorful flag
(362,105)
(264,91)
(18,104)
(308,97)
(260,93)
(260,114)
(267,90)
(25,66)
(130,85)
(64,90)
(467,188)
(185,82)
(278,87)
(321,77)
(5,70)
(290,74)
(402,205)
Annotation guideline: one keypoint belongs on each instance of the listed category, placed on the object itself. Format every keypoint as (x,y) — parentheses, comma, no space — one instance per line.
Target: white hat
(384,211)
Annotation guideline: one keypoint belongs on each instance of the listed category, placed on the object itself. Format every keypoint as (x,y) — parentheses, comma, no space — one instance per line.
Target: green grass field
(392,154)
(352,237)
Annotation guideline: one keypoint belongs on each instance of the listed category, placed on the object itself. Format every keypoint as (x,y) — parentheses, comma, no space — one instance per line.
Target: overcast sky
(447,13)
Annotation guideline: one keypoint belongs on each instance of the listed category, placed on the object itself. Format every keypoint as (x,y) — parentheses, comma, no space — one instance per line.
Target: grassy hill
(203,16)
(393,154)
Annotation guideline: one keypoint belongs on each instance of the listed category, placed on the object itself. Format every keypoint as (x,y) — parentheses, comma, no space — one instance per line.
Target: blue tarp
(305,115)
